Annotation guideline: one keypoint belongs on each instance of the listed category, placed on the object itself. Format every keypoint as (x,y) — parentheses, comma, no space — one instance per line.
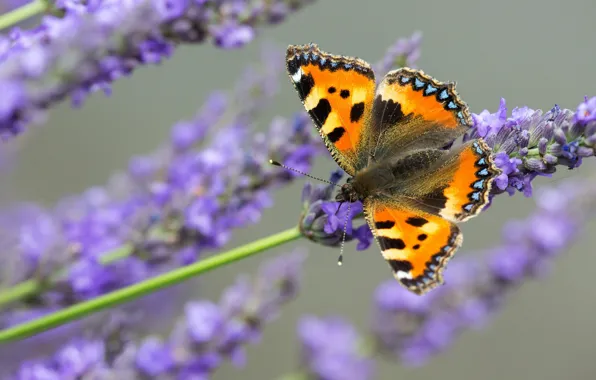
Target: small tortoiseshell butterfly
(392,143)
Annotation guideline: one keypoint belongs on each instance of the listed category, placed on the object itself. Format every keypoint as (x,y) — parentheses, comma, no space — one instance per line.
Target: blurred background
(536,53)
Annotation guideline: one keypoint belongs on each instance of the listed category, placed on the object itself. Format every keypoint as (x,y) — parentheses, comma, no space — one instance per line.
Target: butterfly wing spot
(468,191)
(401,269)
(356,112)
(387,112)
(391,243)
(297,76)
(337,92)
(336,134)
(321,112)
(386,224)
(430,89)
(416,221)
(416,245)
(306,84)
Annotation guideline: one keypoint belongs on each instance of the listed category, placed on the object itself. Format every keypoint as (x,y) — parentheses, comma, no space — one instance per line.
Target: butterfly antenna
(340,259)
(276,163)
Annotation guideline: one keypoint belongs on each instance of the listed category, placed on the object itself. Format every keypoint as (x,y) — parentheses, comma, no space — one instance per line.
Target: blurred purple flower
(331,350)
(206,335)
(204,320)
(51,62)
(232,35)
(76,359)
(403,53)
(586,111)
(153,357)
(170,206)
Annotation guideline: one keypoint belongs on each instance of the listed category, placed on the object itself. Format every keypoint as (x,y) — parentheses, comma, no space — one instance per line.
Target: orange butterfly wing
(457,187)
(469,188)
(416,244)
(414,111)
(415,227)
(337,92)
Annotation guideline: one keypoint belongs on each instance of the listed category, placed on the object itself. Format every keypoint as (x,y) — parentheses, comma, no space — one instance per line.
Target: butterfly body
(391,140)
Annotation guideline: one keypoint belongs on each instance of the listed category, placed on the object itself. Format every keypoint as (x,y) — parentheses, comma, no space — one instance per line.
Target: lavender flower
(323,221)
(414,328)
(332,350)
(43,66)
(404,52)
(169,208)
(206,336)
(531,143)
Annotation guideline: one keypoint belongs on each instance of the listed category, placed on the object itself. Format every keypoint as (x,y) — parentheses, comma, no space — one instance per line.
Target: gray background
(534,53)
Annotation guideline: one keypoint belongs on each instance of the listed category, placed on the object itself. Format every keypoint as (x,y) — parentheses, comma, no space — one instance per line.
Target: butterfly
(391,140)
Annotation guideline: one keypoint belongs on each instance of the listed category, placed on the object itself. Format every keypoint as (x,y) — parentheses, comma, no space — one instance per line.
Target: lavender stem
(30,287)
(22,13)
(137,290)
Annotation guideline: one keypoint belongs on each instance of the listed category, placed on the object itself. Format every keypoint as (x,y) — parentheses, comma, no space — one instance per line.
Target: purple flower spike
(153,357)
(586,111)
(204,320)
(331,350)
(75,360)
(207,335)
(170,206)
(49,63)
(233,36)
(533,143)
(403,53)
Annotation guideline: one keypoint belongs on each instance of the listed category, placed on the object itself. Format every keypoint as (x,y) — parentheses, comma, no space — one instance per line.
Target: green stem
(31,287)
(22,13)
(129,293)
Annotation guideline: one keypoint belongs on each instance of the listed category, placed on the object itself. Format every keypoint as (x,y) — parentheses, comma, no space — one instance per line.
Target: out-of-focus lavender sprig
(332,349)
(414,328)
(9,5)
(97,42)
(207,335)
(403,53)
(530,143)
(166,210)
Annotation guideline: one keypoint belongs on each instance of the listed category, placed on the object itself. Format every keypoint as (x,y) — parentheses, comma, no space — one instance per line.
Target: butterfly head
(348,193)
